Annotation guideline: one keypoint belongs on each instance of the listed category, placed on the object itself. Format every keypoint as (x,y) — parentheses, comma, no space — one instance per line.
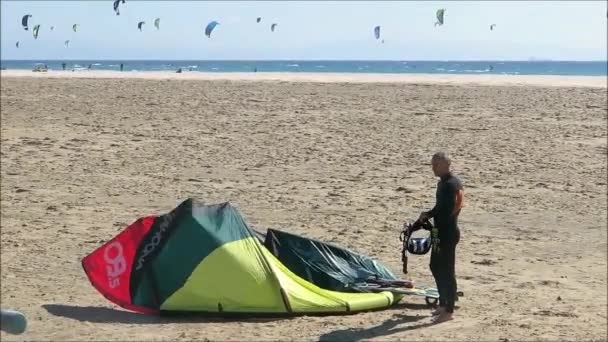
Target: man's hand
(424,216)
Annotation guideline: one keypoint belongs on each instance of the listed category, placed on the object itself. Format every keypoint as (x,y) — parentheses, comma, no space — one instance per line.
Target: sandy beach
(343,158)
(328,77)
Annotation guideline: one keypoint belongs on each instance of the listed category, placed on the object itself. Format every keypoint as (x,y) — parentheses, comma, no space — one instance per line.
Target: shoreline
(491,80)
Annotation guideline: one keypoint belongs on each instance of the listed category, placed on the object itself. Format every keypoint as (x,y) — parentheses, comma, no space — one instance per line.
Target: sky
(307,30)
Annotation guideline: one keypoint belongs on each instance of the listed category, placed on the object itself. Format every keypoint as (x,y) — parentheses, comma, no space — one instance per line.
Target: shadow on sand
(392,326)
(399,323)
(98,314)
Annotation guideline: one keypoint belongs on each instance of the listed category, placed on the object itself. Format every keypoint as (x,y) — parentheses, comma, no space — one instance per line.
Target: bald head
(441,164)
(441,157)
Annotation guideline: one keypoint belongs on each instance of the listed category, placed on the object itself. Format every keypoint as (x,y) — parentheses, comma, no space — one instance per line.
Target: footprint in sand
(485,262)
(405,190)
(554,313)
(551,283)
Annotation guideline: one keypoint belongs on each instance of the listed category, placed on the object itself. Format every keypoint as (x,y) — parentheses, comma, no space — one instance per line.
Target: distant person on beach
(121,66)
(63,66)
(445,235)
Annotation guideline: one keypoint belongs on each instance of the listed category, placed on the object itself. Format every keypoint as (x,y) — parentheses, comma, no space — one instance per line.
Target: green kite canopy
(204,258)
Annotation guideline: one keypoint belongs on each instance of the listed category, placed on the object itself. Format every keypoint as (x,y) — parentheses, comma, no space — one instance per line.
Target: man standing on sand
(445,234)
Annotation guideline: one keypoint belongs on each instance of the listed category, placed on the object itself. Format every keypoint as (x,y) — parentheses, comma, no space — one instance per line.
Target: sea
(570,68)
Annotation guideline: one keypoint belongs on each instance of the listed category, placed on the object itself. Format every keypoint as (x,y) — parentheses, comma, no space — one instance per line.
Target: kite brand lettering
(151,246)
(116,265)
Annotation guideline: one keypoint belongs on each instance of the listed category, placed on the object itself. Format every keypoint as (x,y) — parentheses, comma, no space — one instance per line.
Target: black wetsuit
(447,235)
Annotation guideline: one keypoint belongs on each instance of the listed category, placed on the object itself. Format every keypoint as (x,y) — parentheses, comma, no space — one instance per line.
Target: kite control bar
(377,284)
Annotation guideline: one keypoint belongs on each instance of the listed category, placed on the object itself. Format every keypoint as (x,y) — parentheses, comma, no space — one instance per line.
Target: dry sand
(343,162)
(548,81)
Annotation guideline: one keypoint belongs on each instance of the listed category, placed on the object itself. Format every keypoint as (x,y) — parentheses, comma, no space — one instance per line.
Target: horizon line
(309,60)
